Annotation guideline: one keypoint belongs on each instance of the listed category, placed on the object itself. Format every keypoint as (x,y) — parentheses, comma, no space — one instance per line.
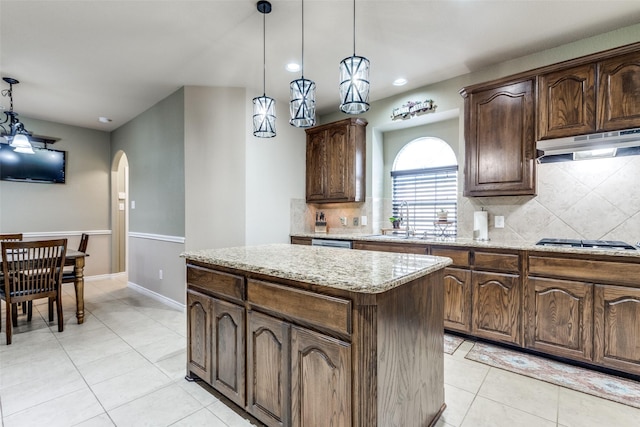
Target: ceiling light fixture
(354,79)
(292,67)
(264,107)
(400,81)
(12,129)
(302,106)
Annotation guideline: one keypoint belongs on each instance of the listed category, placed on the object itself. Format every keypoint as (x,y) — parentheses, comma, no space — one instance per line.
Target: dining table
(76,259)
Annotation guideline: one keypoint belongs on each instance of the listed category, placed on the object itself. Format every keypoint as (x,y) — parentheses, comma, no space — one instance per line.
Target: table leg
(79,288)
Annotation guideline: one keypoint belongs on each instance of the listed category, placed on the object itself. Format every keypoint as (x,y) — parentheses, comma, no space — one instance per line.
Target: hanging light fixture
(302,106)
(264,107)
(12,129)
(354,79)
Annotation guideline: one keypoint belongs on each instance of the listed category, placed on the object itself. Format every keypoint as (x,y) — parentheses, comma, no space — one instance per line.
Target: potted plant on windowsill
(395,221)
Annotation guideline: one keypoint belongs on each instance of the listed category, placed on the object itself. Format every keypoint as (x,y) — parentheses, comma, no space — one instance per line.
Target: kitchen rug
(451,343)
(609,387)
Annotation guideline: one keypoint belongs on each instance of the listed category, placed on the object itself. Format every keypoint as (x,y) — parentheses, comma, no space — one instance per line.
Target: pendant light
(12,129)
(302,105)
(264,107)
(354,79)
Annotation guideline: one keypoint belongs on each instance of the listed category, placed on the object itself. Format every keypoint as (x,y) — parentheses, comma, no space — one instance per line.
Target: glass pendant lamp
(264,107)
(302,104)
(354,79)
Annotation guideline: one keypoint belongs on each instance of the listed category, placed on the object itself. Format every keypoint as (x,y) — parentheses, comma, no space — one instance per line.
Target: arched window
(425,176)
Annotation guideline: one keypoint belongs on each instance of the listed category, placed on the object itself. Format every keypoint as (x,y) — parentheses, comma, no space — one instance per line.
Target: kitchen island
(313,336)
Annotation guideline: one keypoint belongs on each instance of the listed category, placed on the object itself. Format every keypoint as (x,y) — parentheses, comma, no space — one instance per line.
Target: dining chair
(32,270)
(15,237)
(69,274)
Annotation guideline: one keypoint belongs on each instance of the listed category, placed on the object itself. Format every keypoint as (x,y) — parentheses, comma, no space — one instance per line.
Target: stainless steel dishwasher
(343,244)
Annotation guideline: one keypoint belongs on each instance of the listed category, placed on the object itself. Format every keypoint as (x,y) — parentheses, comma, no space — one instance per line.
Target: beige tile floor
(125,366)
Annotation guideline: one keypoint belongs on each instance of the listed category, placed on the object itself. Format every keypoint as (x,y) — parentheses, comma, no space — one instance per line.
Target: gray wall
(42,211)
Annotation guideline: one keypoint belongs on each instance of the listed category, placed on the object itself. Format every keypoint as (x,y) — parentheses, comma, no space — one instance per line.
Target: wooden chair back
(32,270)
(84,241)
(16,237)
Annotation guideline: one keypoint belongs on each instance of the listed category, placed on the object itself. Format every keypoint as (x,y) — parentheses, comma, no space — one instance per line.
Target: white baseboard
(163,299)
(105,277)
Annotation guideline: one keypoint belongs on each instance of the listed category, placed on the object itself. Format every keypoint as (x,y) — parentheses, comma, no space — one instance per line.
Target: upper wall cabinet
(566,102)
(336,162)
(500,139)
(619,92)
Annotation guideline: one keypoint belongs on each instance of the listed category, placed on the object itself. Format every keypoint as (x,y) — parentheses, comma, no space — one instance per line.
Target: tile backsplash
(590,199)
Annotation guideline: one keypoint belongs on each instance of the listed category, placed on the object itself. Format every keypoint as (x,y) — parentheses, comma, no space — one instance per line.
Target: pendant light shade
(264,107)
(354,79)
(12,129)
(302,104)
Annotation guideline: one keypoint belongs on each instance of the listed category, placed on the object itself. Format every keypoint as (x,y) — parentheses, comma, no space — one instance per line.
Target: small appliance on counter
(481,225)
(321,223)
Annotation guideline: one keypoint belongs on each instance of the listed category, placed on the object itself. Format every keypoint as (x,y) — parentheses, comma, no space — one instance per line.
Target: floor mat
(575,378)
(451,343)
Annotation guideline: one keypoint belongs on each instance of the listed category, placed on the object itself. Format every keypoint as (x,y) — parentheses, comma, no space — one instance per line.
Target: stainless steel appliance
(596,244)
(344,244)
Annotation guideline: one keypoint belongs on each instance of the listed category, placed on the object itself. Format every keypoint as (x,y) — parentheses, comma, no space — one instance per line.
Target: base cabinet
(457,299)
(199,311)
(617,327)
(558,316)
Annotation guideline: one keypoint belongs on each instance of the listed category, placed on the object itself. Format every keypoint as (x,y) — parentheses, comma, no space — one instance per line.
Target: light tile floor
(125,366)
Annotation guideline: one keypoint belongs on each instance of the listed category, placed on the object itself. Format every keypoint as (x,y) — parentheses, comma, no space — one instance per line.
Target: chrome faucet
(404,203)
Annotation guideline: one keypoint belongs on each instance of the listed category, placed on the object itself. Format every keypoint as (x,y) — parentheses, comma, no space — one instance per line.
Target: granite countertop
(357,271)
(470,243)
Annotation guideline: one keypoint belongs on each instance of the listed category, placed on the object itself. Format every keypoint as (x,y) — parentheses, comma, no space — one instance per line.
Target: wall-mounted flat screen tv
(47,166)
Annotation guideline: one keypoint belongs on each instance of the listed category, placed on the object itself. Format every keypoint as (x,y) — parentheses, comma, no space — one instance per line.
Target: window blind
(426,192)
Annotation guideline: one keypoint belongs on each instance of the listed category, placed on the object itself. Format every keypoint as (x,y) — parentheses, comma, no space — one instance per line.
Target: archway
(119,212)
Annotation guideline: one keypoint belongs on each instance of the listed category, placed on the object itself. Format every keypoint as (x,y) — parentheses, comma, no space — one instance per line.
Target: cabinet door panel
(496,306)
(228,347)
(316,172)
(457,299)
(500,141)
(199,335)
(617,327)
(567,102)
(338,163)
(268,369)
(320,380)
(559,317)
(619,92)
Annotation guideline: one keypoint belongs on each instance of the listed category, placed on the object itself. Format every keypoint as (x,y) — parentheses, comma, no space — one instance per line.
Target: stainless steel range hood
(595,141)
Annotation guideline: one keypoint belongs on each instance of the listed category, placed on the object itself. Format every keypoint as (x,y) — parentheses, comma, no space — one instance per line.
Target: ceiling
(78,60)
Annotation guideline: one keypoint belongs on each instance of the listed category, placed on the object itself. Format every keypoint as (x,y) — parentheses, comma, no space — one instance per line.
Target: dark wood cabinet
(457,299)
(567,102)
(500,139)
(497,306)
(617,327)
(619,92)
(320,380)
(228,350)
(559,317)
(336,162)
(199,313)
(268,349)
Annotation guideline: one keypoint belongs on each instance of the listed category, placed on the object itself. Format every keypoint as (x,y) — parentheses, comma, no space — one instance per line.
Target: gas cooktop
(595,244)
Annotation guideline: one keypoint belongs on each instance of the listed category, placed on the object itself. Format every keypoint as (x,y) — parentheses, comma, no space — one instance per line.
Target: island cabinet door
(559,317)
(320,380)
(497,299)
(199,309)
(268,350)
(616,339)
(228,350)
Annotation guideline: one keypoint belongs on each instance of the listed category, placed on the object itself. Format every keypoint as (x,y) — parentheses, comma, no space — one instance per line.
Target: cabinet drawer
(320,310)
(622,273)
(405,248)
(226,284)
(460,257)
(496,261)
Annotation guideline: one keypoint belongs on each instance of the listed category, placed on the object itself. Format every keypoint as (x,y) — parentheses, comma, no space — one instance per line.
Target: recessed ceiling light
(104,120)
(292,67)
(400,82)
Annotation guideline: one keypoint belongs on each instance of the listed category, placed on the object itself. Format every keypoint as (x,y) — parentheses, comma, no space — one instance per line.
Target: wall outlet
(363,220)
(160,274)
(133,204)
(498,221)
(343,220)
(356,221)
